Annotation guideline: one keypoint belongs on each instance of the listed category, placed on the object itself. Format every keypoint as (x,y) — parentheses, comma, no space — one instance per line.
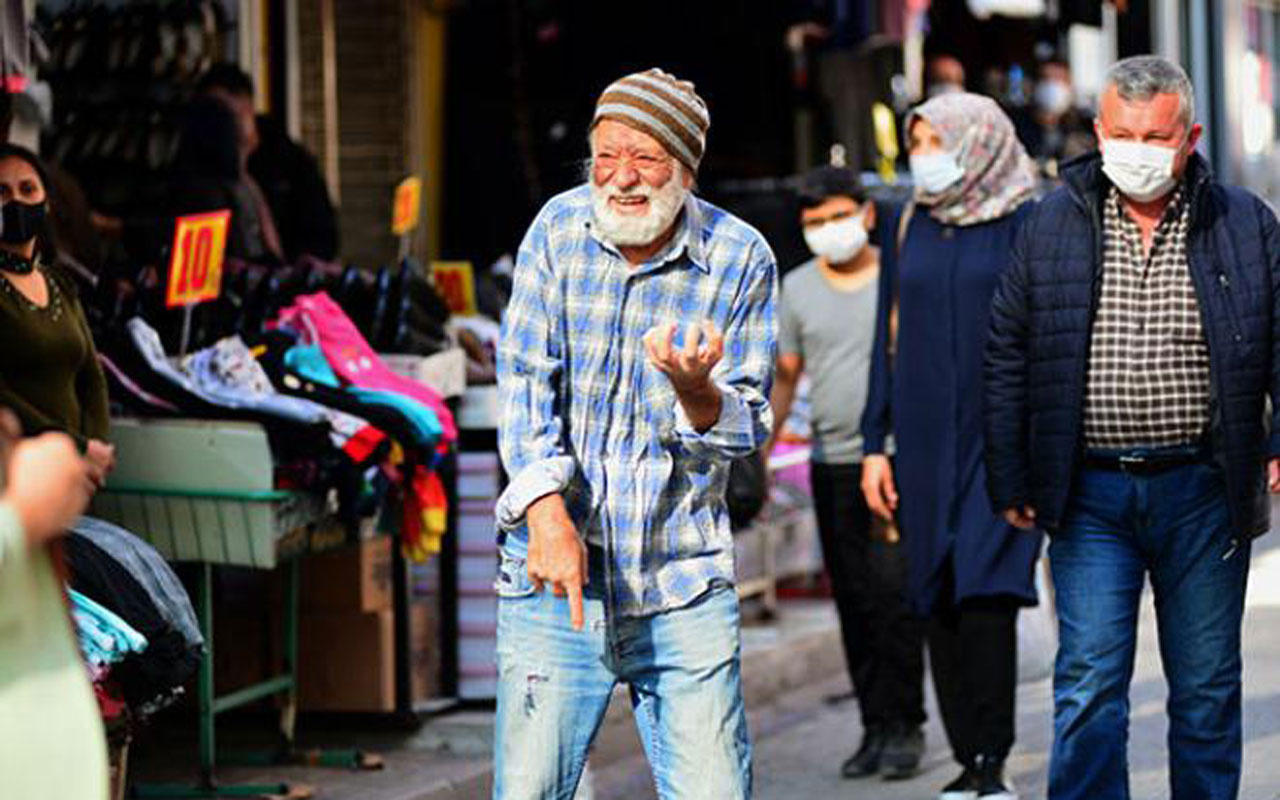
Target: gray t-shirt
(833,331)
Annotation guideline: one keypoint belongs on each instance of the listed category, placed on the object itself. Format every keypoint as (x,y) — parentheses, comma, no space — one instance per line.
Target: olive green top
(49,371)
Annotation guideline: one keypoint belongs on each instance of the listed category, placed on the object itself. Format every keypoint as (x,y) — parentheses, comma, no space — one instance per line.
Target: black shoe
(867,760)
(903,750)
(992,783)
(839,699)
(964,787)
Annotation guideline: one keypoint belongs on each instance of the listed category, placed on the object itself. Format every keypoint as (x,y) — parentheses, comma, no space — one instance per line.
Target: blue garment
(105,638)
(1042,317)
(931,401)
(1119,528)
(554,685)
(308,361)
(585,413)
(425,422)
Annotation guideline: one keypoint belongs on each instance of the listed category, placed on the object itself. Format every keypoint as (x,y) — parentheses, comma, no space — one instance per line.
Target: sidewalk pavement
(799,757)
(450,757)
(791,666)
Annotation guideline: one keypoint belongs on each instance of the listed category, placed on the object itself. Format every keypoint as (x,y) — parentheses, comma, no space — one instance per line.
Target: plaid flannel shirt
(1148,379)
(585,414)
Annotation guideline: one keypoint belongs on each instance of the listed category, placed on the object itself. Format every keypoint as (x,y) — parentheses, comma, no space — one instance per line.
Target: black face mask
(20,222)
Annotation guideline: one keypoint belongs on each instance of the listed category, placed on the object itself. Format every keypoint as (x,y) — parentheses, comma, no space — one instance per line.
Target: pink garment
(321,321)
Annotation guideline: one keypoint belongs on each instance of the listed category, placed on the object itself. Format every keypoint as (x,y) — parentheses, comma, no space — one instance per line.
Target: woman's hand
(878,486)
(100,458)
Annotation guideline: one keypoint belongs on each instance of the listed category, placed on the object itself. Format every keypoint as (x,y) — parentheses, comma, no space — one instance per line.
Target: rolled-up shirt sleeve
(530,364)
(745,374)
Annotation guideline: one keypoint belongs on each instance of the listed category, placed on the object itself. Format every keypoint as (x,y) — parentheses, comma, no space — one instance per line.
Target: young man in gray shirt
(828,311)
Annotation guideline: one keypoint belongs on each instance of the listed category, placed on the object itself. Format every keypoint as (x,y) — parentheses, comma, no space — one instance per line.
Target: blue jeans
(1119,528)
(554,685)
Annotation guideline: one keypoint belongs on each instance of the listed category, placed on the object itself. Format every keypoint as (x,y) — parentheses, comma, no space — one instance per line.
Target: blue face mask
(936,172)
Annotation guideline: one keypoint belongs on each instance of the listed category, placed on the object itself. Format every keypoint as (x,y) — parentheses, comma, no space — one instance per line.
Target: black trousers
(883,641)
(973,652)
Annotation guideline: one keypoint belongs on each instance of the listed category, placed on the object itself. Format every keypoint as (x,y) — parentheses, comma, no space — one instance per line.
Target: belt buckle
(1134,464)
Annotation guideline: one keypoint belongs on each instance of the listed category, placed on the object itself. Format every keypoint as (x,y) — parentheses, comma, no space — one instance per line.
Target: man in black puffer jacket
(1134,340)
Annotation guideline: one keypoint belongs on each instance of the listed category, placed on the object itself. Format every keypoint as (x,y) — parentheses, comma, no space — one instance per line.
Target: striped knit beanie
(658,104)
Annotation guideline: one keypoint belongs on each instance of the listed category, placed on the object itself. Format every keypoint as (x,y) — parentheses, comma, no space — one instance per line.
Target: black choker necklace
(18,265)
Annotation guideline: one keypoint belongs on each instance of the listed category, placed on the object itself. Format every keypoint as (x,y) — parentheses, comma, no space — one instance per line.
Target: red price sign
(195,268)
(456,283)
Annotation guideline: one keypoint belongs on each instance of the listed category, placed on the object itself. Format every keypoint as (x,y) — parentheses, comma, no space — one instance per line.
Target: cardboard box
(424,651)
(347,661)
(352,578)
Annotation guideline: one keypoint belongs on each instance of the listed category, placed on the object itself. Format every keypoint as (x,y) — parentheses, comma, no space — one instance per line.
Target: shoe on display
(992,783)
(903,751)
(867,760)
(964,787)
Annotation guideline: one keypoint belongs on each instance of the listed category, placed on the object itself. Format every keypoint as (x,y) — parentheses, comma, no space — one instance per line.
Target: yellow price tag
(456,283)
(407,206)
(195,268)
(886,130)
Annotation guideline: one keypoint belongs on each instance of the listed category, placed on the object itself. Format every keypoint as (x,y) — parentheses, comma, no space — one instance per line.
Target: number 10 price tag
(195,269)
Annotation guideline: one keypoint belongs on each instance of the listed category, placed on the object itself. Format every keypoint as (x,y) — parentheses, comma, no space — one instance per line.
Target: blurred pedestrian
(1134,342)
(827,330)
(1060,132)
(616,555)
(54,745)
(944,74)
(969,570)
(209,174)
(281,174)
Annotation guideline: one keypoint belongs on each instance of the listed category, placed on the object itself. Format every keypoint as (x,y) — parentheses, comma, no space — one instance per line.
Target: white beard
(623,230)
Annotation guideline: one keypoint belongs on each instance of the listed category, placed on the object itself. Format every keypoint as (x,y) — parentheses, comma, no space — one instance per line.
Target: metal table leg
(210,705)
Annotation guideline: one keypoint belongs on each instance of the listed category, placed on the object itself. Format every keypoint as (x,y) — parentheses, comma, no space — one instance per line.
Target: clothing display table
(201,492)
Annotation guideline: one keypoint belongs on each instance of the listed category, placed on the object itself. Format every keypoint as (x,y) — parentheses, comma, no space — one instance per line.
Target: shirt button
(1239,338)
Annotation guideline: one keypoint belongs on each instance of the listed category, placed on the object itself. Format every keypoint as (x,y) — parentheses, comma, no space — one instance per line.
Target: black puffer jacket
(1043,314)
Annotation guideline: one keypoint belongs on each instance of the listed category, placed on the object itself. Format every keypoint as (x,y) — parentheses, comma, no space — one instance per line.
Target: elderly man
(635,363)
(1134,341)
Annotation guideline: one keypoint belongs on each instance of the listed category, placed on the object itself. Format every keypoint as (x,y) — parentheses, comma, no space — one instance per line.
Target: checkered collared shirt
(584,413)
(1148,379)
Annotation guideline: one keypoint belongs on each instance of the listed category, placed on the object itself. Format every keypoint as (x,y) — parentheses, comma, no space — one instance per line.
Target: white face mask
(1054,97)
(1142,172)
(934,173)
(838,241)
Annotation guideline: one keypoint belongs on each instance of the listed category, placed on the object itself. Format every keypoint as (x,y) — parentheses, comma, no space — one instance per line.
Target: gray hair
(1144,77)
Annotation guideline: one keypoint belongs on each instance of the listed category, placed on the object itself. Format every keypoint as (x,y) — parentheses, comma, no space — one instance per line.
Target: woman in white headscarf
(969,571)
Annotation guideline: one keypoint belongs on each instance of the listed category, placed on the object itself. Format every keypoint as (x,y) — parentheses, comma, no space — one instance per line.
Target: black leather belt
(1145,463)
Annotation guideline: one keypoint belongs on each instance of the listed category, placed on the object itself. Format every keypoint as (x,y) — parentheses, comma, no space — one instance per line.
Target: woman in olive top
(51,742)
(49,371)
